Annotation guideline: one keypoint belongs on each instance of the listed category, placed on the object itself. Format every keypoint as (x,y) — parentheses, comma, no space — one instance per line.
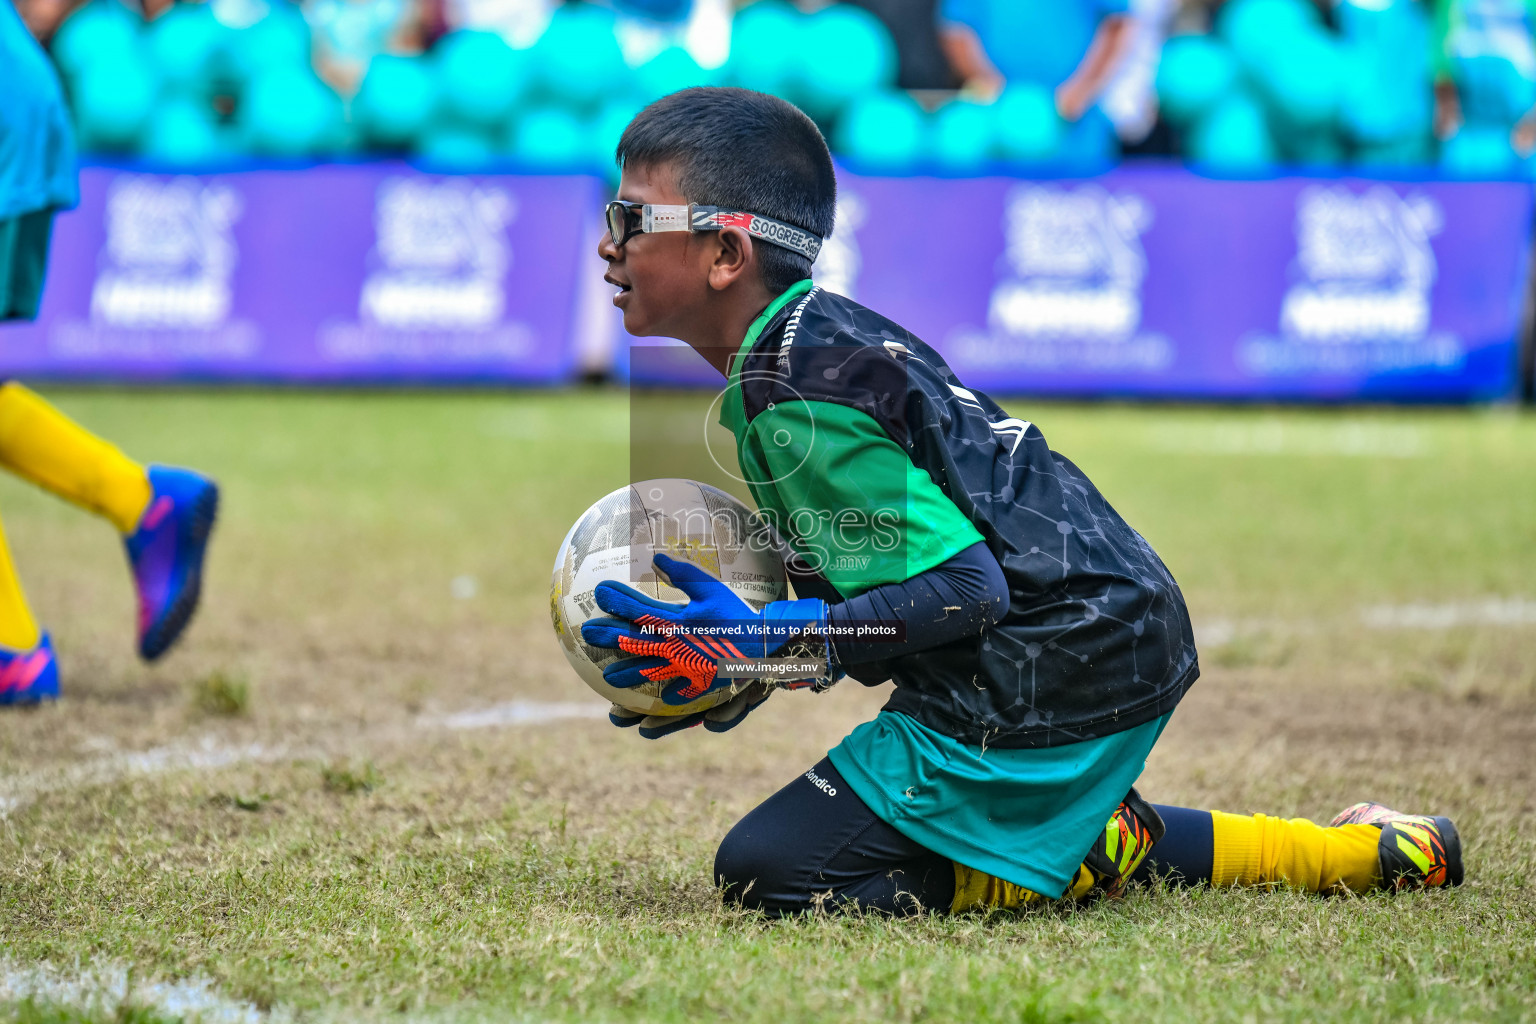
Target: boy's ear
(734,260)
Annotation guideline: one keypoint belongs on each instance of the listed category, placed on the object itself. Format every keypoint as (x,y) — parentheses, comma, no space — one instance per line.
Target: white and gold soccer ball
(616,539)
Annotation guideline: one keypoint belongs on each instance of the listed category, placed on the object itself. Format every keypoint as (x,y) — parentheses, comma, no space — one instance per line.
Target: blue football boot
(166,554)
(30,676)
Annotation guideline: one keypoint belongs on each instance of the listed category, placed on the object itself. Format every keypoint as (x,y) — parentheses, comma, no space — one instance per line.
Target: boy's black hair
(742,150)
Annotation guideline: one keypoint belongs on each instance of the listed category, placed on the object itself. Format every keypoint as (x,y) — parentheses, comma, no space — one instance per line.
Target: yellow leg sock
(977,890)
(1298,853)
(41,444)
(18,629)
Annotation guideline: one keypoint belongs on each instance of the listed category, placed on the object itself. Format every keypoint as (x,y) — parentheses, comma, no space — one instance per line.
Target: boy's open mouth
(623,289)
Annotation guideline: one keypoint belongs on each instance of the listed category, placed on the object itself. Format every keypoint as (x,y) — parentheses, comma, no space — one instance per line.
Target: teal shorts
(24,263)
(1025,816)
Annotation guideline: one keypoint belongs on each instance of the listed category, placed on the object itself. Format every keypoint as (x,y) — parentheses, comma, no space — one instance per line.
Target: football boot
(30,676)
(166,554)
(1416,851)
(1119,850)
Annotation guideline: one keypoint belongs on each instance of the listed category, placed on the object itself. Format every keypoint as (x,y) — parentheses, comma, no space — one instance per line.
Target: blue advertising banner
(327,274)
(1159,282)
(1140,282)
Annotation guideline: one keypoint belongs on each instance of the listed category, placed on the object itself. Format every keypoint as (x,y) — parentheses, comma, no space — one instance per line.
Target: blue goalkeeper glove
(687,642)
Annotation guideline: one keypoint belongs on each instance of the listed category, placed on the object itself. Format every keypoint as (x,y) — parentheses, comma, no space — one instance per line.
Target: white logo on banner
(442,255)
(1366,266)
(1077,264)
(1359,301)
(169,256)
(838,265)
(1069,295)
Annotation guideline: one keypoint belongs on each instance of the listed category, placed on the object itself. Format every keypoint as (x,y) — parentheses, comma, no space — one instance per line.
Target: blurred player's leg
(41,444)
(28,672)
(164,514)
(18,629)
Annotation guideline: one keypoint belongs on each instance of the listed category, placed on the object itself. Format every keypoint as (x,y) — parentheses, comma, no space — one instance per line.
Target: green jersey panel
(847,497)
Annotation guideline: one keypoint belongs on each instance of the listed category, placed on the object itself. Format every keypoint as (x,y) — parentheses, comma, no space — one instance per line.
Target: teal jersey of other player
(37,149)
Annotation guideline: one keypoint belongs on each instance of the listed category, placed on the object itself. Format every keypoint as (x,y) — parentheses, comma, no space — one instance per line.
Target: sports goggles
(626,220)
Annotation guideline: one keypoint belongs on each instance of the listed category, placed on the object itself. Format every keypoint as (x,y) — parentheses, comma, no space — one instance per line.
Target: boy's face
(663,278)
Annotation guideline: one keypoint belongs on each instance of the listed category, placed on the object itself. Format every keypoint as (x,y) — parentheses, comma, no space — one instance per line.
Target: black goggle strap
(655,218)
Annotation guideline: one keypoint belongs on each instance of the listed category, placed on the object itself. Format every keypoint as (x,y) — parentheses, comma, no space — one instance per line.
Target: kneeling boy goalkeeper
(1042,645)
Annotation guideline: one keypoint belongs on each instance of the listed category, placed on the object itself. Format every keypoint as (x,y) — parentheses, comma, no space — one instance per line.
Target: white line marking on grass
(516,712)
(1214,632)
(18,791)
(1495,611)
(107,990)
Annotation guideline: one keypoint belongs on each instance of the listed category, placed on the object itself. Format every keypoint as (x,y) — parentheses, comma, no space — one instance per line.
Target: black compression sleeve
(956,598)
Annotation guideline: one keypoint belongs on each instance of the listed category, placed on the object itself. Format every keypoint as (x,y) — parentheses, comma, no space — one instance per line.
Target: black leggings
(815,843)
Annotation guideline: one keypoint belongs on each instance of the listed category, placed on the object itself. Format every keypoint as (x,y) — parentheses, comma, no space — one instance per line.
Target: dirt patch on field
(1265,741)
(1243,740)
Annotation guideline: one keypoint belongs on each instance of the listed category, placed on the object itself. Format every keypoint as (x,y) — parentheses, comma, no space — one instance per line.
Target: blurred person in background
(43,17)
(1071,47)
(1130,98)
(1485,69)
(914,27)
(519,22)
(702,28)
(164,515)
(348,34)
(644,27)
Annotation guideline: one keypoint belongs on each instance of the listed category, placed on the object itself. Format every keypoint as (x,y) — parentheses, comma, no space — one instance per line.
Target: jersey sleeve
(848,497)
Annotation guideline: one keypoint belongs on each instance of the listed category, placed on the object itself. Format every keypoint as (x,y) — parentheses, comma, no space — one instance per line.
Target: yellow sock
(977,890)
(41,444)
(1259,849)
(18,629)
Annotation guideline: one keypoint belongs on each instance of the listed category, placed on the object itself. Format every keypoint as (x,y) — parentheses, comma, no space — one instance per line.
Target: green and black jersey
(877,464)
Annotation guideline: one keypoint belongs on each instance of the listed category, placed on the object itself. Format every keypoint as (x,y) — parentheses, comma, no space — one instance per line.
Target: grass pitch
(324,806)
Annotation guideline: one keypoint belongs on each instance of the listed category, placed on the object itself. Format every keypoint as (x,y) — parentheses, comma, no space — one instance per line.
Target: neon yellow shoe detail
(1127,839)
(1416,851)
